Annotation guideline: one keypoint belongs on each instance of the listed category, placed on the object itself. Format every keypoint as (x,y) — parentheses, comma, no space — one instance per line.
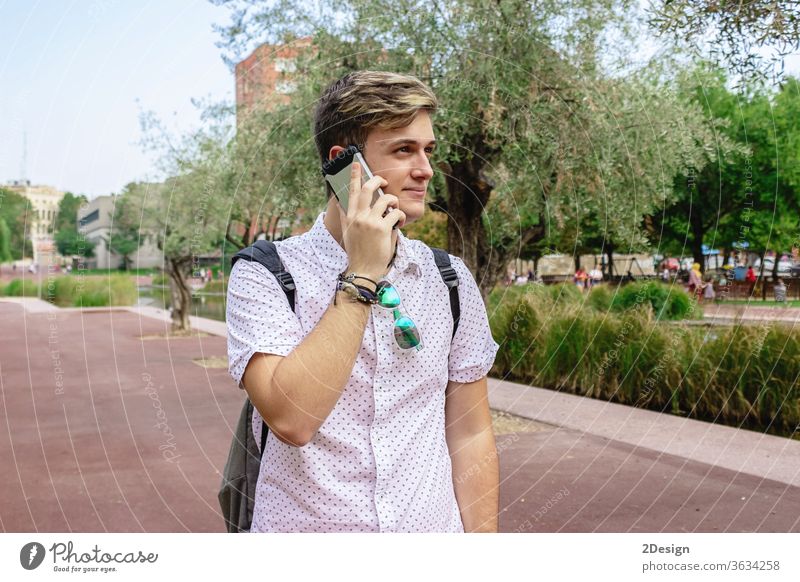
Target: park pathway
(108,426)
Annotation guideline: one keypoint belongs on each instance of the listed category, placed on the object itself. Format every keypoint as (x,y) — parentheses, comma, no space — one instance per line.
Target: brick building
(266,76)
(264,79)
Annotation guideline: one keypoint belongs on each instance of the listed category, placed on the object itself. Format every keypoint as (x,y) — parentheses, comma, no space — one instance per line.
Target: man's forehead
(406,139)
(418,131)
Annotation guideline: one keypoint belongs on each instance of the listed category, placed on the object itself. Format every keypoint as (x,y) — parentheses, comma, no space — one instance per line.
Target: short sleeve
(473,349)
(258,316)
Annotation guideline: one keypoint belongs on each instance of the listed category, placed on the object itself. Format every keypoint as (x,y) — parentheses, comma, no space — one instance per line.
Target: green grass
(78,290)
(22,288)
(160,279)
(215,286)
(614,346)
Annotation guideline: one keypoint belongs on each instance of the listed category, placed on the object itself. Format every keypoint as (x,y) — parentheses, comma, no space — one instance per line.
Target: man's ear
(334,151)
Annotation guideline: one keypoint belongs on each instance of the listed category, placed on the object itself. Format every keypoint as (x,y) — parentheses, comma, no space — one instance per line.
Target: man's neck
(333,223)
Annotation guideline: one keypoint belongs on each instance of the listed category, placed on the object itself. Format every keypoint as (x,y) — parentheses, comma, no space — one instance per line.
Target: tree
(188,210)
(733,30)
(67,216)
(531,128)
(125,237)
(5,242)
(708,191)
(15,211)
(69,241)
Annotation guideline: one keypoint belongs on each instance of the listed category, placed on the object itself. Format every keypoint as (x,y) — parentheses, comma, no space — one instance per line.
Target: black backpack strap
(450,278)
(265,253)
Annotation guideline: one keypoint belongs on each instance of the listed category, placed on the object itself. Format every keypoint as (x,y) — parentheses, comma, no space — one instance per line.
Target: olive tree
(533,128)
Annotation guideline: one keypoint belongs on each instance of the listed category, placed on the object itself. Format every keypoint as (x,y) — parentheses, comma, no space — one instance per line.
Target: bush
(160,279)
(89,291)
(740,375)
(216,286)
(668,302)
(22,288)
(600,297)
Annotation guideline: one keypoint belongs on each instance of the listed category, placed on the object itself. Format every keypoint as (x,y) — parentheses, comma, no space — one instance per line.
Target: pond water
(211,306)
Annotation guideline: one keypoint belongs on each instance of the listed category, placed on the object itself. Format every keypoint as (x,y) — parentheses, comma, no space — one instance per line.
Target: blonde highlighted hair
(364,100)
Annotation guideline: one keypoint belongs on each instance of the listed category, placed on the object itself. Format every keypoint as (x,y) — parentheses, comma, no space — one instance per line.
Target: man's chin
(413,214)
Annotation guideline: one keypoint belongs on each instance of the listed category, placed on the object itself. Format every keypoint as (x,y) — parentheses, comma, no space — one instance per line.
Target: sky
(74,76)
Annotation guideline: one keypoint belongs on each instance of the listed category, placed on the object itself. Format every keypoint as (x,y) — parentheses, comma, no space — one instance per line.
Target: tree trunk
(696,224)
(760,278)
(467,195)
(181,296)
(610,263)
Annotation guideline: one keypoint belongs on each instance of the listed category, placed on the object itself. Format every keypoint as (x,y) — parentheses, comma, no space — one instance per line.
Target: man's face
(402,157)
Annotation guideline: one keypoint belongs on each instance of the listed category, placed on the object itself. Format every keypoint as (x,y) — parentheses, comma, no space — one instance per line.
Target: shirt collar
(334,258)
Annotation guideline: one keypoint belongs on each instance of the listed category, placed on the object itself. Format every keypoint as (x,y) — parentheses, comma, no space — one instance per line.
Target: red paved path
(90,456)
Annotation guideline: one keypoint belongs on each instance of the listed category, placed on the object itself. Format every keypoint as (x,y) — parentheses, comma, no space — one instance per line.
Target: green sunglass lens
(405,332)
(388,296)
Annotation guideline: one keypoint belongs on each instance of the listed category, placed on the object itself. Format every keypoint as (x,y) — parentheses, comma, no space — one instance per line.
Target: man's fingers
(355,190)
(367,192)
(383,203)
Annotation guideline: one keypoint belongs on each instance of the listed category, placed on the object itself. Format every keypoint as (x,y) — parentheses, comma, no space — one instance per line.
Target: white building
(95,220)
(44,206)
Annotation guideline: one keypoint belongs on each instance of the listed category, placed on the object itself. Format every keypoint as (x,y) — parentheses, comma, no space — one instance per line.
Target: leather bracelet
(356,292)
(352,276)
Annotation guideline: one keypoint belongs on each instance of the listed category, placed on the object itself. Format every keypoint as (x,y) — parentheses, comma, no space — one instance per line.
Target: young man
(367,435)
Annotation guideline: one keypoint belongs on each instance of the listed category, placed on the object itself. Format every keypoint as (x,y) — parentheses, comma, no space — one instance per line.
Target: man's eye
(405,149)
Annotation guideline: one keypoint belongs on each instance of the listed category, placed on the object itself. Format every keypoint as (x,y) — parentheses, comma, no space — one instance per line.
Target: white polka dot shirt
(379,462)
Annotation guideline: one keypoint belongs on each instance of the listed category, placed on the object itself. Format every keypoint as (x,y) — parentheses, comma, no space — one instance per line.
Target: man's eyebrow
(401,140)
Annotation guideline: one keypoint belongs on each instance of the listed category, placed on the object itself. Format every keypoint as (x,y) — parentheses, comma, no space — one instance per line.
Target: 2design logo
(31,555)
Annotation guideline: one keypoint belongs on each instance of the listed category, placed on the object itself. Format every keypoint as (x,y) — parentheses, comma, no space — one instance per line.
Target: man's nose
(423,169)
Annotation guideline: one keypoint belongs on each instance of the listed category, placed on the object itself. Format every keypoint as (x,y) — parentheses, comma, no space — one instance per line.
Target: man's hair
(364,100)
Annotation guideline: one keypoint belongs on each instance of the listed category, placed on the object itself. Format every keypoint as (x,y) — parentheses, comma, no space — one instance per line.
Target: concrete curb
(743,451)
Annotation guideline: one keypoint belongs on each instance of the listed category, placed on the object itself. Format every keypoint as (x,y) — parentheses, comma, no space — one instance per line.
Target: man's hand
(366,232)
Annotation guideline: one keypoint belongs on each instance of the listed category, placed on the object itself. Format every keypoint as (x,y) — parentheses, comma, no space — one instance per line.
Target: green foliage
(16,212)
(77,290)
(216,286)
(601,297)
(430,229)
(668,302)
(67,217)
(5,242)
(22,288)
(739,375)
(70,242)
(533,131)
(125,238)
(740,33)
(91,291)
(160,279)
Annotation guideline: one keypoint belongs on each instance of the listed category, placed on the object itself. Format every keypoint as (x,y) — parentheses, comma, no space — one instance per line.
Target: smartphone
(337,175)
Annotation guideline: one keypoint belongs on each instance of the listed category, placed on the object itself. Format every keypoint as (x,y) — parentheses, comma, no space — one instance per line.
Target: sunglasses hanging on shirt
(406,333)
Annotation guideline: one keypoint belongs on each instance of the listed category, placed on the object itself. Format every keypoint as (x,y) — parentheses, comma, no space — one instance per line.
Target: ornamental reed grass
(78,290)
(95,291)
(613,346)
